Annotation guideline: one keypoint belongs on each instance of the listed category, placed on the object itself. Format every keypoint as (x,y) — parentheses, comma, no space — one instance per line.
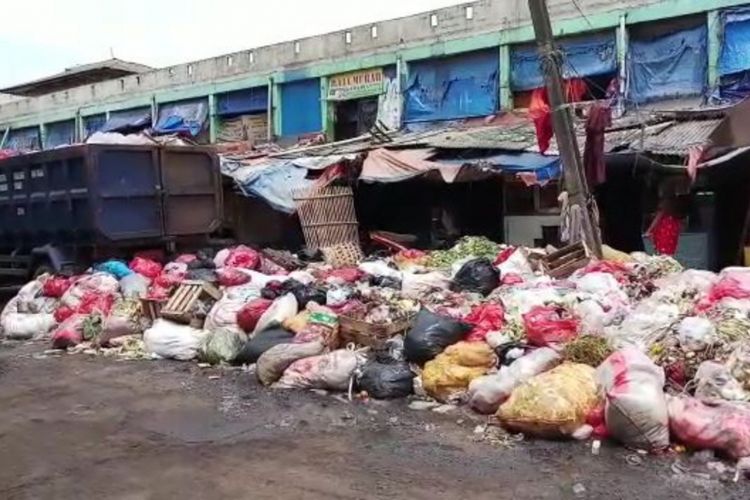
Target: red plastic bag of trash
(165,280)
(230,276)
(96,302)
(159,293)
(720,426)
(503,256)
(549,325)
(56,286)
(511,279)
(69,333)
(617,269)
(346,274)
(248,316)
(727,288)
(146,267)
(595,418)
(485,318)
(186,258)
(244,257)
(63,312)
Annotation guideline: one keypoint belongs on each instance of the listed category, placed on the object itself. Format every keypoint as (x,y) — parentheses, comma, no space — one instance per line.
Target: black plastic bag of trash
(305,293)
(477,276)
(207,275)
(385,282)
(260,343)
(431,334)
(199,263)
(386,380)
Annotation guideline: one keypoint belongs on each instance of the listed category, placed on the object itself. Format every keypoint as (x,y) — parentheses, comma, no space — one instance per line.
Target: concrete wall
(495,23)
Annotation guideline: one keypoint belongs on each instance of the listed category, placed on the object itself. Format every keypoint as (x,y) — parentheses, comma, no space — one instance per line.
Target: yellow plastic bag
(450,372)
(553,404)
(609,253)
(297,323)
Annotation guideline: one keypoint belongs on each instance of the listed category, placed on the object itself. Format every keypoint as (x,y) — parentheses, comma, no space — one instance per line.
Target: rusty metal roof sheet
(674,138)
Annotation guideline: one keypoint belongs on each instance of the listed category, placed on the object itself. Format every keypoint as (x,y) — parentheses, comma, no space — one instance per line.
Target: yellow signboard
(355,85)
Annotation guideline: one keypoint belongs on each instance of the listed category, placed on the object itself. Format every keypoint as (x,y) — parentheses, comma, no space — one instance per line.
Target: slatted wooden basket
(366,334)
(329,221)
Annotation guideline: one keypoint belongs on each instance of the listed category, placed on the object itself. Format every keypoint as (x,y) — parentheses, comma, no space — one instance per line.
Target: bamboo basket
(329,222)
(355,331)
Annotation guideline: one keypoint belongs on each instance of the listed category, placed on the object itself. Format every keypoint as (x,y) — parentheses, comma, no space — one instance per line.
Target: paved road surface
(74,427)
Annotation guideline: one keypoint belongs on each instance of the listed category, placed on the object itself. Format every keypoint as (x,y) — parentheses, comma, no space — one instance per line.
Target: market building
(406,85)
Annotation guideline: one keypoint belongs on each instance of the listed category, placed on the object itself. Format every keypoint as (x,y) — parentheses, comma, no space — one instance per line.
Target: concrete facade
(493,23)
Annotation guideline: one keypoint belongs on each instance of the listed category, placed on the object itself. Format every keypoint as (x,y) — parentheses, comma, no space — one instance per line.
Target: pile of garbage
(631,348)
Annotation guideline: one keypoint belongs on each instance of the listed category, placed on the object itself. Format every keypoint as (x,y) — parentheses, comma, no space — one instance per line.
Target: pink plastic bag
(230,276)
(548,325)
(92,302)
(723,427)
(346,274)
(186,258)
(616,269)
(63,312)
(729,287)
(70,333)
(56,287)
(244,257)
(148,268)
(485,318)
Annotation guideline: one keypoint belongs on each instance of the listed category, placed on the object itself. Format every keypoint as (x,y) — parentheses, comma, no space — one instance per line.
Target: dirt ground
(77,426)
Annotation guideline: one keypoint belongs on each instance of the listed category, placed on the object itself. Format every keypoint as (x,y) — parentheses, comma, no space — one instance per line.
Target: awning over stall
(129,120)
(186,117)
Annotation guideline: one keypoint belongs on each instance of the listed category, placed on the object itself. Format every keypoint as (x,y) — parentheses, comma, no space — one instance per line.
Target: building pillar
(623,40)
(154,111)
(327,119)
(713,20)
(43,135)
(80,132)
(275,113)
(506,94)
(213,119)
(4,138)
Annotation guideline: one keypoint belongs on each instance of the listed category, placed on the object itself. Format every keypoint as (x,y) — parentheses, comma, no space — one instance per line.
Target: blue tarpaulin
(300,107)
(128,120)
(23,139)
(667,67)
(93,123)
(735,46)
(733,88)
(60,134)
(243,102)
(545,167)
(273,183)
(184,117)
(452,87)
(589,56)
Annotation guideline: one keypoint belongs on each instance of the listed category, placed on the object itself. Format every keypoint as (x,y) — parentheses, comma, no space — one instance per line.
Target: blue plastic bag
(116,268)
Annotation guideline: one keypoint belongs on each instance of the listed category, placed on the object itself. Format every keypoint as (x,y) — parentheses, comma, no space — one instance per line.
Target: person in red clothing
(665,230)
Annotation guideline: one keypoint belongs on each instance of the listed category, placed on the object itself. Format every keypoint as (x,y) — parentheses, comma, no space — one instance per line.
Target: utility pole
(562,123)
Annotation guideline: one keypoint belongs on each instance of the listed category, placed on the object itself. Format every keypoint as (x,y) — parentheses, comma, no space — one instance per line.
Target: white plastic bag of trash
(696,334)
(635,410)
(332,371)
(714,381)
(223,315)
(169,340)
(282,309)
(488,392)
(20,326)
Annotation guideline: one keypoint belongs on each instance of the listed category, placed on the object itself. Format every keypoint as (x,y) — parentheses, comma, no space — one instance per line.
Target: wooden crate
(566,261)
(181,305)
(151,309)
(368,334)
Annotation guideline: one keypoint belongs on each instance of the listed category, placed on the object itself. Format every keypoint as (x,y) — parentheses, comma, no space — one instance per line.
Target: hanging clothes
(599,119)
(539,110)
(541,113)
(665,233)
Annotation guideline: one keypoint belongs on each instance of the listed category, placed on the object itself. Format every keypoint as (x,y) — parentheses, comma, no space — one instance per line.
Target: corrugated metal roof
(676,137)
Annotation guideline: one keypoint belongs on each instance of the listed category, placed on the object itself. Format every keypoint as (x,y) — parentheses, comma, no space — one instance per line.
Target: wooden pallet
(566,261)
(151,309)
(181,306)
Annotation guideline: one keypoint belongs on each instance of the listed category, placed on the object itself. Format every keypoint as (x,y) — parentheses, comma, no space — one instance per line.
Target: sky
(42,37)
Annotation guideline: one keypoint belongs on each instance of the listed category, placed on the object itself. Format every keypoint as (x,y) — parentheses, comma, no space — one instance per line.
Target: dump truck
(70,207)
